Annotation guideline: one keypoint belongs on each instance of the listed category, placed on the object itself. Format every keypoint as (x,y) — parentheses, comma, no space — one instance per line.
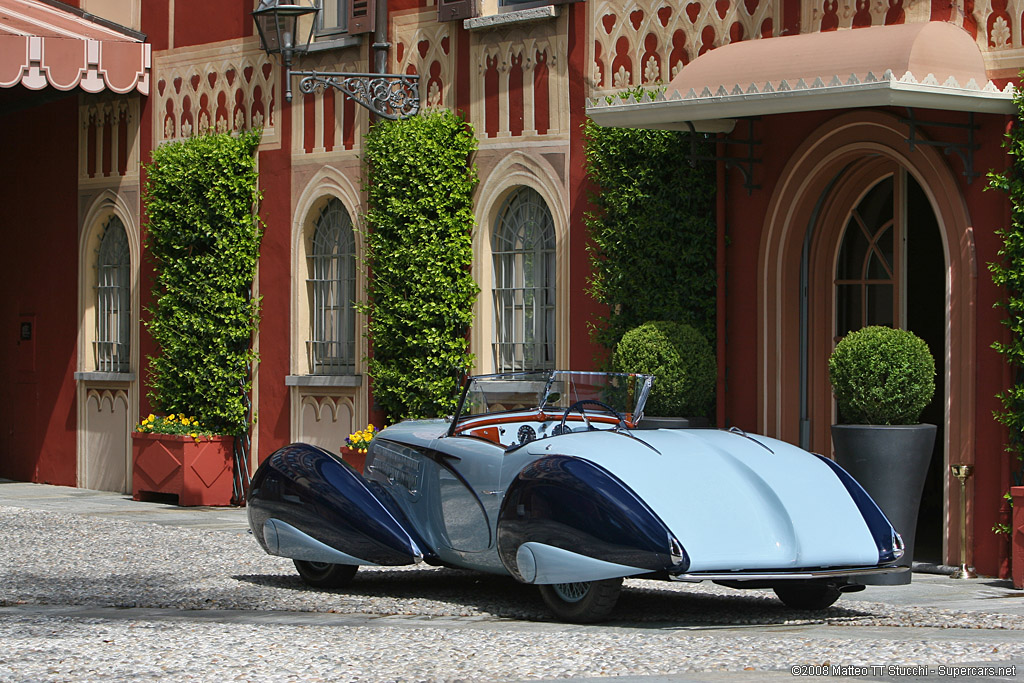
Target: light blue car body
(562,492)
(734,502)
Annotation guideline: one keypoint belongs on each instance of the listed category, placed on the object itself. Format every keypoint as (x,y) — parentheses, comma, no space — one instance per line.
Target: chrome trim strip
(786,575)
(739,432)
(285,540)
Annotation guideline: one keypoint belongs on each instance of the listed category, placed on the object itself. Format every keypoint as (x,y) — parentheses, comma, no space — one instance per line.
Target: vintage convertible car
(546,477)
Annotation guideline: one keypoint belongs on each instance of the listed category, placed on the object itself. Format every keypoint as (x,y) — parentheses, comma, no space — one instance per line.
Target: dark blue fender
(576,505)
(322,496)
(881,530)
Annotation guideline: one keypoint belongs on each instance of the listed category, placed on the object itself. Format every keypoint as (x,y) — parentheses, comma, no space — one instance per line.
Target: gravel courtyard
(87,598)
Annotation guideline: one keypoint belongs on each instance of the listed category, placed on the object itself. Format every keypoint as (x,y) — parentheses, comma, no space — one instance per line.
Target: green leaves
(1008,273)
(882,376)
(653,235)
(419,246)
(681,361)
(203,239)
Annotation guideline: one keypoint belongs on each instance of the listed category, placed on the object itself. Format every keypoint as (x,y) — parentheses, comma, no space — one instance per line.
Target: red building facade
(522,74)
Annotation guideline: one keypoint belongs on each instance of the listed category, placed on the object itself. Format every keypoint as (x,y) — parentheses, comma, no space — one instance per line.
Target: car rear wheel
(325,574)
(582,602)
(808,596)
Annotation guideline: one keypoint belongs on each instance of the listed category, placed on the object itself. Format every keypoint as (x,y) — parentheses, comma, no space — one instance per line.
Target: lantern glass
(278,26)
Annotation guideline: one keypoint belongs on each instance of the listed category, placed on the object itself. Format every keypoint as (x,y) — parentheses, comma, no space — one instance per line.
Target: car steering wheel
(578,405)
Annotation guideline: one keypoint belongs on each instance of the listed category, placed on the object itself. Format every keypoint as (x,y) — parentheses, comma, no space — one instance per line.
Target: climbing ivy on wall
(420,295)
(1008,273)
(203,238)
(653,234)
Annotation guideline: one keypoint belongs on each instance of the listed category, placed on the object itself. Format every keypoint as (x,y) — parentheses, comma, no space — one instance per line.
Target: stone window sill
(105,376)
(323,380)
(339,42)
(503,19)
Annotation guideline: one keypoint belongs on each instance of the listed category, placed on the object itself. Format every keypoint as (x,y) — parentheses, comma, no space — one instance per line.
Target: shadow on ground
(641,603)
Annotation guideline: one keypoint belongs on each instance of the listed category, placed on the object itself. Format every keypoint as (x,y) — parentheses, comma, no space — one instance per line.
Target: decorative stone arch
(325,418)
(328,183)
(324,408)
(107,403)
(808,189)
(513,171)
(105,206)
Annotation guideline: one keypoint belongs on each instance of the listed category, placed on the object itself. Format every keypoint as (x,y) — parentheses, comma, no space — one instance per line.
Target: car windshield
(553,392)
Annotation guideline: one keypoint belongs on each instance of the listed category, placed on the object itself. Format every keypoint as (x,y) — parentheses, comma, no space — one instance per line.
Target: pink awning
(930,65)
(45,43)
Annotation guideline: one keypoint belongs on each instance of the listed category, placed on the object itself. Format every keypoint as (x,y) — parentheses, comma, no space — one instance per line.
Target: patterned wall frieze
(104,437)
(520,80)
(325,121)
(108,149)
(424,46)
(998,25)
(830,15)
(224,87)
(325,418)
(649,41)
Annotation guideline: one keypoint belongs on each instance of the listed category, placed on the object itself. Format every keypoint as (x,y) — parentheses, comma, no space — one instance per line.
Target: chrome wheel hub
(572,592)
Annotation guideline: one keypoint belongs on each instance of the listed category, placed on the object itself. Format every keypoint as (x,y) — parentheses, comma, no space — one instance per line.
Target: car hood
(734,502)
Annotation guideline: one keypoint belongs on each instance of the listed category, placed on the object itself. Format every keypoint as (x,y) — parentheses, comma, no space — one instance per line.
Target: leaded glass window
(332,283)
(867,270)
(523,244)
(112,346)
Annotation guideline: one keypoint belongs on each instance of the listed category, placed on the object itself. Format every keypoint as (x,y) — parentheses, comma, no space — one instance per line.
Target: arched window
(332,285)
(113,300)
(523,244)
(868,268)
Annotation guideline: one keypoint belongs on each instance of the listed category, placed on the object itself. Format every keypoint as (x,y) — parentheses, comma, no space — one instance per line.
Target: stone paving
(94,586)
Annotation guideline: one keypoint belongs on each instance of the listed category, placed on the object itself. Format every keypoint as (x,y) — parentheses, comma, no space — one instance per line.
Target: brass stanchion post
(962,472)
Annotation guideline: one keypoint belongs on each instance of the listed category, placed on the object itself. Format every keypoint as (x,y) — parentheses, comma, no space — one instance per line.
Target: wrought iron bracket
(744,164)
(964,150)
(390,96)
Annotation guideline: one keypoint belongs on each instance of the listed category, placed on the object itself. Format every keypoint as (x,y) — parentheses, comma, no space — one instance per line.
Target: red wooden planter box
(353,457)
(199,473)
(1017,536)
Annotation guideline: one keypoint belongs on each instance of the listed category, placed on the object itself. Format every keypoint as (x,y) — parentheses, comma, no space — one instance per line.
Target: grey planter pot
(891,463)
(674,423)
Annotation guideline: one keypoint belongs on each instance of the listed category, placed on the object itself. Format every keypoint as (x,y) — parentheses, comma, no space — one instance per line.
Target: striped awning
(44,43)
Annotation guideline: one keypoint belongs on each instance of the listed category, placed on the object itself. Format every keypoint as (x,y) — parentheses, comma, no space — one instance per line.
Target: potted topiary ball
(882,379)
(684,370)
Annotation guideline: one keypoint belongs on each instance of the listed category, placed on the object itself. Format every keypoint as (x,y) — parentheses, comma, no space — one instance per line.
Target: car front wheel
(807,596)
(582,602)
(325,574)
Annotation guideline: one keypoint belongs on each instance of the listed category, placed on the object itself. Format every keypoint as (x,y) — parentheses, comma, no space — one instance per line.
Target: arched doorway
(858,167)
(877,258)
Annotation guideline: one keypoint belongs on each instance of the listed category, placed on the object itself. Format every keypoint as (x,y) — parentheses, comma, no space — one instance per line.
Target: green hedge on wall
(203,239)
(653,233)
(1008,273)
(419,245)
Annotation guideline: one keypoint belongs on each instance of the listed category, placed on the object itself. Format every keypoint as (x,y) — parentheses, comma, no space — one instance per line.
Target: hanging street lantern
(390,96)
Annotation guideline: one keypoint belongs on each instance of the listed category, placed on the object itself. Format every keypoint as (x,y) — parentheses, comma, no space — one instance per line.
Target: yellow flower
(151,417)
(194,435)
